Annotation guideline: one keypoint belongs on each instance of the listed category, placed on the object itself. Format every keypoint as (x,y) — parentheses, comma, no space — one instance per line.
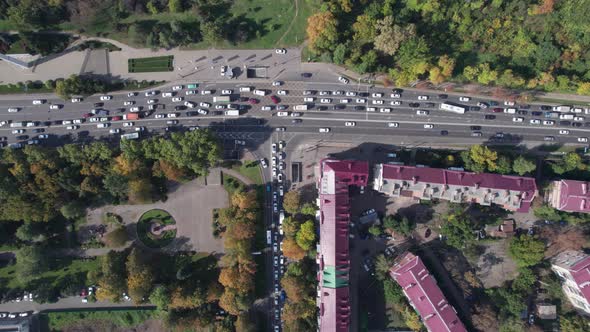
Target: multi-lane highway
(333,115)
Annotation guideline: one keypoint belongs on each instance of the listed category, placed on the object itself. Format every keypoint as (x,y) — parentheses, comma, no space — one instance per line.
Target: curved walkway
(291,24)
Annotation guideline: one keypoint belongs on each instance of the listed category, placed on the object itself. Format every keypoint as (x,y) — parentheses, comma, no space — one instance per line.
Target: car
(282,107)
(385,110)
(275,99)
(177,99)
(395,103)
(280,178)
(325,100)
(564,132)
(536,113)
(414,105)
(152,101)
(43,136)
(428,126)
(324,130)
(474,108)
(263,163)
(204,104)
(102,125)
(128,103)
(583,139)
(106,97)
(535,121)
(219,107)
(18,131)
(253,101)
(578,118)
(202,111)
(350,93)
(93,120)
(444,132)
(72,127)
(226,92)
(522,112)
(266,108)
(325,93)
(127,124)
(462,98)
(308,92)
(280,51)
(55,106)
(131,94)
(159,116)
(114,131)
(395,95)
(343,80)
(167,94)
(422,112)
(76,100)
(177,87)
(482,104)
(377,102)
(497,110)
(359,108)
(23,314)
(296,114)
(282,92)
(22,137)
(548,122)
(392,124)
(349,124)
(190,92)
(38,101)
(14,109)
(422,97)
(475,127)
(476,134)
(377,95)
(508,103)
(518,119)
(280,129)
(576,124)
(306,75)
(172,122)
(361,100)
(371,109)
(549,138)
(150,93)
(277,83)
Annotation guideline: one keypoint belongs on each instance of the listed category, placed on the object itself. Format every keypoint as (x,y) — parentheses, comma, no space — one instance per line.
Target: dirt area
(494,266)
(152,325)
(190,204)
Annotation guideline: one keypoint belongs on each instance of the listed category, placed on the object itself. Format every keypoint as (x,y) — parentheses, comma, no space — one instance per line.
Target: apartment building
(573,268)
(569,196)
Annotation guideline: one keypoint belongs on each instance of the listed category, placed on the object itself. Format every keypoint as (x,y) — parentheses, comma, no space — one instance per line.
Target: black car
(489,117)
(536,113)
(474,108)
(98,105)
(306,75)
(576,124)
(525,106)
(179,108)
(338,107)
(244,99)
(359,108)
(522,112)
(47,123)
(545,108)
(414,104)
(564,123)
(443,96)
(493,103)
(429,105)
(475,127)
(22,137)
(397,90)
(38,130)
(444,133)
(587,124)
(57,122)
(322,108)
(3,138)
(296,121)
(192,113)
(282,107)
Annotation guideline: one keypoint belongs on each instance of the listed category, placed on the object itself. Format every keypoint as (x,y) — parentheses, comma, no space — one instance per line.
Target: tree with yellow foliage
(322,32)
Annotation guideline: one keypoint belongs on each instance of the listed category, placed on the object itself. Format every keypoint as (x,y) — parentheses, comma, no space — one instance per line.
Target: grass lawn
(143,228)
(63,268)
(251,170)
(13,88)
(560,101)
(152,64)
(58,321)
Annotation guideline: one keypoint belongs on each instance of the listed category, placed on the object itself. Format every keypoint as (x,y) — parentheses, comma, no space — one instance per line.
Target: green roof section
(333,278)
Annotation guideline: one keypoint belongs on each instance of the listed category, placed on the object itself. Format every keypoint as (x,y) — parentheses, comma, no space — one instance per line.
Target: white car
(38,101)
(115,131)
(548,122)
(564,132)
(350,93)
(349,123)
(281,51)
(385,110)
(171,115)
(377,95)
(282,92)
(578,118)
(422,97)
(204,104)
(202,111)
(428,126)
(308,99)
(106,97)
(94,119)
(177,87)
(190,104)
(152,101)
(263,163)
(219,107)
(361,100)
(135,109)
(72,127)
(392,124)
(395,95)
(76,100)
(139,129)
(324,130)
(127,124)
(43,136)
(55,106)
(206,92)
(464,99)
(160,116)
(150,93)
(535,121)
(325,93)
(422,112)
(508,103)
(343,79)
(167,94)
(177,99)
(15,109)
(76,121)
(226,92)
(266,108)
(128,103)
(345,101)
(172,122)
(395,103)
(277,83)
(191,92)
(132,94)
(583,139)
(517,119)
(337,93)
(18,131)
(102,125)
(325,100)
(377,102)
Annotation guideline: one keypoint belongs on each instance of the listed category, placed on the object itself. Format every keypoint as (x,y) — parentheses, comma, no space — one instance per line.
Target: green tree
(175,6)
(322,32)
(548,213)
(522,165)
(573,323)
(29,232)
(152,8)
(458,231)
(31,262)
(524,282)
(401,225)
(73,210)
(526,250)
(212,32)
(486,75)
(584,89)
(512,325)
(504,165)
(393,292)
(382,267)
(480,158)
(140,278)
(340,54)
(305,237)
(308,209)
(390,36)
(160,297)
(375,230)
(292,202)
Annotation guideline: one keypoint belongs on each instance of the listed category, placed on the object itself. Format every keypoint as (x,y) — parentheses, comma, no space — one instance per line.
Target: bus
(453,108)
(221,99)
(130,136)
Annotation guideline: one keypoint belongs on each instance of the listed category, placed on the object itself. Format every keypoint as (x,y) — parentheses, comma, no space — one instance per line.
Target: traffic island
(156,229)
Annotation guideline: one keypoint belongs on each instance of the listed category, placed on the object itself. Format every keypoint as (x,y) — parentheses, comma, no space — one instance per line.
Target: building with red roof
(573,268)
(570,196)
(335,179)
(421,290)
(514,193)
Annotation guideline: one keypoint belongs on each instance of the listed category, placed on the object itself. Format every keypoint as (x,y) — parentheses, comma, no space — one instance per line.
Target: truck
(562,108)
(17,124)
(232,113)
(130,136)
(453,108)
(301,107)
(268,237)
(100,112)
(131,116)
(221,99)
(566,116)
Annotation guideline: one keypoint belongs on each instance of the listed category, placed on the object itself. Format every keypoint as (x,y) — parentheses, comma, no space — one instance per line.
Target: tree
(73,210)
(458,231)
(504,165)
(28,232)
(512,325)
(524,282)
(31,261)
(308,209)
(375,230)
(116,238)
(486,75)
(175,6)
(339,54)
(480,158)
(364,29)
(112,283)
(244,324)
(522,165)
(382,266)
(292,202)
(322,32)
(393,292)
(292,250)
(160,297)
(211,32)
(584,89)
(140,191)
(400,225)
(140,278)
(526,250)
(390,36)
(573,323)
(305,237)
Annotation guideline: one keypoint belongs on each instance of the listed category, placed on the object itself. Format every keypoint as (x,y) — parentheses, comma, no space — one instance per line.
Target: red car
(117,118)
(87,115)
(275,99)
(253,101)
(498,110)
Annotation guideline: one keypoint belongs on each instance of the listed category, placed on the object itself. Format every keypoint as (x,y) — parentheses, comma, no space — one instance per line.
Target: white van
(245,89)
(260,92)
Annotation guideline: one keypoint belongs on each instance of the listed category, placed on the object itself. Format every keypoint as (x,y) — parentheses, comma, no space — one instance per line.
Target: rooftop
(574,196)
